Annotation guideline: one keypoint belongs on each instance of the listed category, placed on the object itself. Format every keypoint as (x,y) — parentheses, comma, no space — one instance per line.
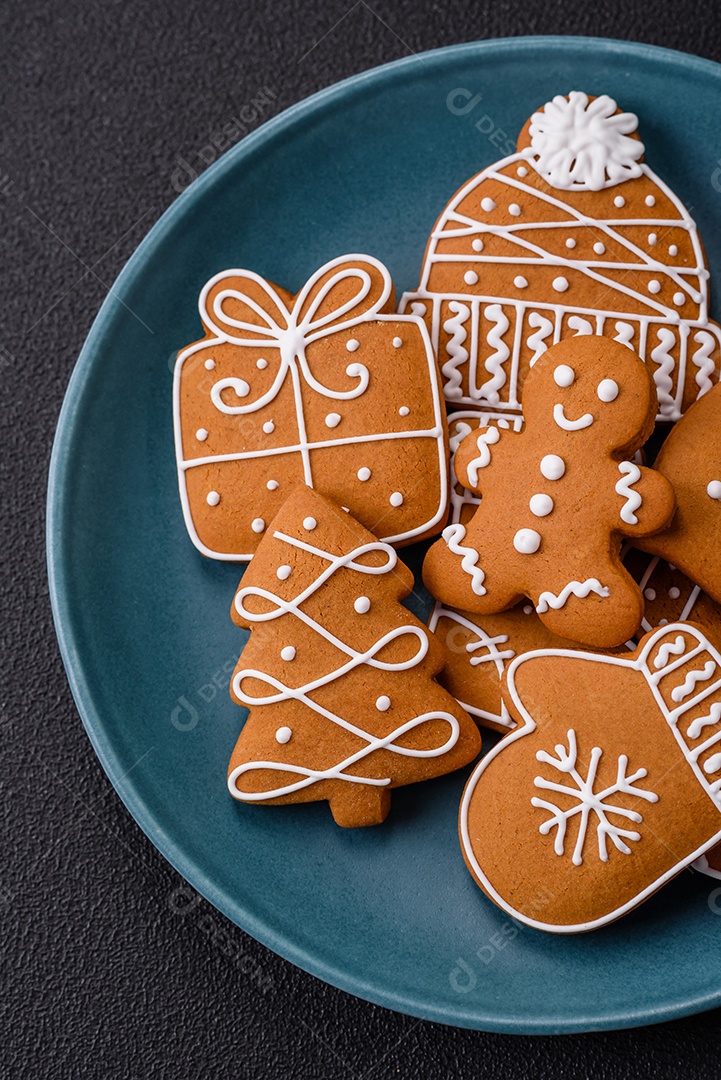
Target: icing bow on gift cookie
(557,498)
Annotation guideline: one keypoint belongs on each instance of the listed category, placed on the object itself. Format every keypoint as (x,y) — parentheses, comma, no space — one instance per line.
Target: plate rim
(60,592)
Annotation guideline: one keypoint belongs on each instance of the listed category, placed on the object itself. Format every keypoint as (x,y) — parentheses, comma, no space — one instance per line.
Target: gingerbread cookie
(337,674)
(464,502)
(327,388)
(608,788)
(691,459)
(573,234)
(557,497)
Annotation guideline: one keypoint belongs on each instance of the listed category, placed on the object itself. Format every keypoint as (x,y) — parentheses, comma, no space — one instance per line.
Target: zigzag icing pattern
(663,373)
(537,340)
(701,358)
(455,349)
(494,363)
(484,442)
(453,535)
(631,474)
(581,589)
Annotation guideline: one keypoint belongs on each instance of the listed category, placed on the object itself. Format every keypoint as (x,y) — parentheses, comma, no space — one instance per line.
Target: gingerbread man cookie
(573,234)
(691,459)
(557,497)
(608,788)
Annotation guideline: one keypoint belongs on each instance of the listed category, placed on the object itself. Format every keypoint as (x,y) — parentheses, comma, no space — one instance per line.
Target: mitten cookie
(337,674)
(328,388)
(608,788)
(557,497)
(573,234)
(691,459)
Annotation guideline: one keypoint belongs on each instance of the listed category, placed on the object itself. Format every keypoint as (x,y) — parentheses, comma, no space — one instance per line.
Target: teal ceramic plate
(388,913)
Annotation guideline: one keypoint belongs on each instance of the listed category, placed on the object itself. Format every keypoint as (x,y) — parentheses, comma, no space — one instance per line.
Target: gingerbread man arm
(475,453)
(646,500)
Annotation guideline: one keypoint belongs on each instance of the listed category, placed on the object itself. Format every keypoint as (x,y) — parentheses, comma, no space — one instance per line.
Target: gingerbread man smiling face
(558,497)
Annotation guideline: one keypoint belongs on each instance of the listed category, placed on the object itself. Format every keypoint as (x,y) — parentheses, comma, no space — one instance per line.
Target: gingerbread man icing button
(558,497)
(691,459)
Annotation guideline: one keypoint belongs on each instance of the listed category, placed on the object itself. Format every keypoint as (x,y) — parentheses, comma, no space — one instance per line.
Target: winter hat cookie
(558,497)
(337,674)
(608,788)
(573,234)
(691,459)
(328,388)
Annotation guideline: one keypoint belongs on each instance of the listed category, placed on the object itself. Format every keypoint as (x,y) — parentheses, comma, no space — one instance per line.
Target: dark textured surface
(111,965)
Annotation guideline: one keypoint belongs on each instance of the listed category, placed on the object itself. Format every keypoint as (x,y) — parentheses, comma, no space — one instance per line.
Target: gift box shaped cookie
(609,787)
(329,388)
(573,234)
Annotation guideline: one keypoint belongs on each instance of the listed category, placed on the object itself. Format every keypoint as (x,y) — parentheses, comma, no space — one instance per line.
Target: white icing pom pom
(619,201)
(352,344)
(714,490)
(284,572)
(607,390)
(209,365)
(652,239)
(527,541)
(541,505)
(272,485)
(404,410)
(650,200)
(654,286)
(570,243)
(470,277)
(383,703)
(201,434)
(397,342)
(477,245)
(364,473)
(514,209)
(552,467)
(564,375)
(673,250)
(261,364)
(362,605)
(332,419)
(599,248)
(268,427)
(674,592)
(258,525)
(309,523)
(212,498)
(679,298)
(288,652)
(650,594)
(283,734)
(488,205)
(582,144)
(520,282)
(396,499)
(560,284)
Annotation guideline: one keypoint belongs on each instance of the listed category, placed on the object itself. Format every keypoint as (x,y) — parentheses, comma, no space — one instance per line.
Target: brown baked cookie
(558,497)
(609,786)
(573,234)
(691,459)
(327,388)
(337,674)
(670,596)
(462,501)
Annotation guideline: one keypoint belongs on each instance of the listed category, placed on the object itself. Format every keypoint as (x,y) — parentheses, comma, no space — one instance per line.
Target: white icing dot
(714,489)
(522,170)
(650,594)
(652,239)
(212,498)
(599,248)
(309,523)
(470,277)
(514,209)
(258,525)
(527,609)
(663,622)
(619,201)
(541,505)
(607,390)
(268,427)
(570,243)
(288,652)
(560,284)
(209,365)
(672,250)
(397,342)
(679,298)
(283,734)
(383,703)
(650,200)
(477,245)
(674,592)
(283,572)
(332,419)
(654,286)
(527,541)
(362,605)
(261,364)
(396,499)
(272,485)
(520,282)
(352,344)
(364,473)
(552,467)
(564,375)
(404,410)
(201,434)
(488,205)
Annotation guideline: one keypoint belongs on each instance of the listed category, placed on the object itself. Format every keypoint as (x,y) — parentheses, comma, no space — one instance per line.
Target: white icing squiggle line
(663,374)
(701,358)
(692,679)
(701,722)
(581,589)
(453,535)
(667,650)
(458,354)
(631,475)
(494,363)
(462,429)
(624,333)
(537,341)
(580,325)
(483,442)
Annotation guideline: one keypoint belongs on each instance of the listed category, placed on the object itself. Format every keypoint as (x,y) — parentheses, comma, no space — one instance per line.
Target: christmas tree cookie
(608,788)
(338,675)
(573,234)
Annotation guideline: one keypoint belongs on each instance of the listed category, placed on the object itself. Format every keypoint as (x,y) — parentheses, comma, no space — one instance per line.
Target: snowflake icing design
(589,801)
